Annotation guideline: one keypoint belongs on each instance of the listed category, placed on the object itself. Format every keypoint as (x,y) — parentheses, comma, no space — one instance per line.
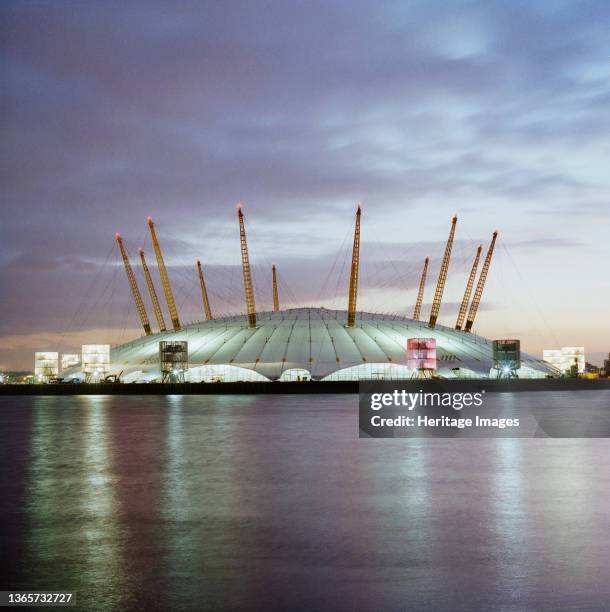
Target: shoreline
(304,387)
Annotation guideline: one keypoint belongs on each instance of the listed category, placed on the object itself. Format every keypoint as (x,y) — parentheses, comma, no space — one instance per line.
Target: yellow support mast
(468,292)
(276,297)
(245,263)
(153,293)
(353,279)
(204,294)
(420,292)
(167,289)
(134,287)
(476,300)
(442,277)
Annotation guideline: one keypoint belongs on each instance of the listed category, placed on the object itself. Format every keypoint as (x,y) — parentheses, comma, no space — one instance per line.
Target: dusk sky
(496,111)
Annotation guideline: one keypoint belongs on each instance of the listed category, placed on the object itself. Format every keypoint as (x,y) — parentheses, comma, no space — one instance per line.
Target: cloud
(113,112)
(546,243)
(29,262)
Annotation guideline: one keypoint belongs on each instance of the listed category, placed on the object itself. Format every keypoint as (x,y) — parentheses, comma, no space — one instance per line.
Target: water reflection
(103,562)
(15,434)
(511,525)
(73,540)
(137,438)
(274,502)
(202,502)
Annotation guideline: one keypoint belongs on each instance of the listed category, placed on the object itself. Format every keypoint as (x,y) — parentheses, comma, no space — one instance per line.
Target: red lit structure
(421,355)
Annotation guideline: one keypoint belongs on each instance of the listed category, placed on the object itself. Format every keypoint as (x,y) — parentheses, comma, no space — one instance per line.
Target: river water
(273,502)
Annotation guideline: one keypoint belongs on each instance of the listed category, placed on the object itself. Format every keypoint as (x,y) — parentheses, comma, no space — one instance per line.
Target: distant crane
(204,294)
(476,300)
(245,264)
(353,279)
(442,276)
(420,293)
(276,298)
(468,292)
(153,293)
(137,297)
(167,289)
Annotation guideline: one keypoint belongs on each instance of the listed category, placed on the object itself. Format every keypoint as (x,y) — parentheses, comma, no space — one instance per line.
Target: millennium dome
(310,343)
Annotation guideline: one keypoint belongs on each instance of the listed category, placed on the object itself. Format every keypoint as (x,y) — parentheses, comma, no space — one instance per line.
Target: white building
(46,365)
(95,362)
(566,357)
(308,343)
(68,360)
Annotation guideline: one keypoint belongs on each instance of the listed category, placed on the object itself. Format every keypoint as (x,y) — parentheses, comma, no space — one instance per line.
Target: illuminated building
(46,365)
(306,343)
(568,359)
(95,361)
(311,343)
(69,360)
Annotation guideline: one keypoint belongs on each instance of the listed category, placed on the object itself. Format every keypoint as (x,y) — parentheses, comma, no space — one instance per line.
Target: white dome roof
(315,340)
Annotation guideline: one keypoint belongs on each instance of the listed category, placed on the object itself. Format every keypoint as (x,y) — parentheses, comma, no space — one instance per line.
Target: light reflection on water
(274,502)
(70,484)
